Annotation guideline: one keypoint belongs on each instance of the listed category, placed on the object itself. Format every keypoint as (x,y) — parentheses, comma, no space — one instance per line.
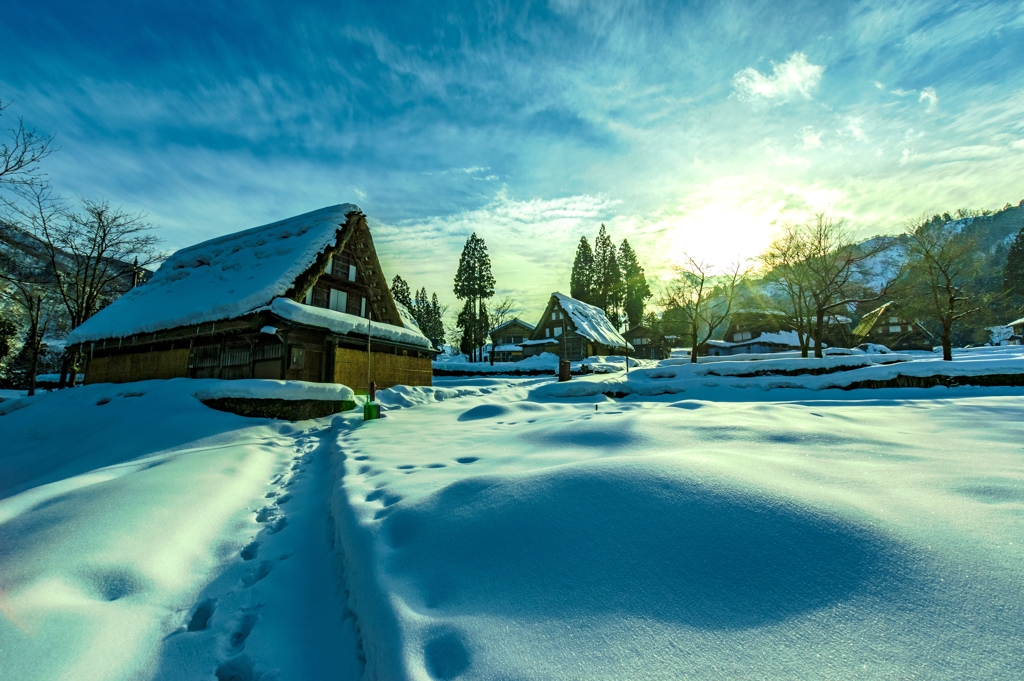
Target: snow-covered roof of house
(1016,322)
(501,326)
(408,320)
(343,323)
(222,278)
(508,347)
(591,322)
(787,338)
(541,341)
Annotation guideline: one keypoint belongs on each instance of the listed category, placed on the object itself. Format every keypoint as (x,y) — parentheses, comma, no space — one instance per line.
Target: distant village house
(574,330)
(507,340)
(1018,332)
(885,325)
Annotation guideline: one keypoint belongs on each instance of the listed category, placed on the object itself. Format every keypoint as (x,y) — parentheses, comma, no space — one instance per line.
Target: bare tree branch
(21,153)
(704,299)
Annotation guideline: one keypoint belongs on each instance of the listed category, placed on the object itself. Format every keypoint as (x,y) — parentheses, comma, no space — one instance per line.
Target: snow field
(508,535)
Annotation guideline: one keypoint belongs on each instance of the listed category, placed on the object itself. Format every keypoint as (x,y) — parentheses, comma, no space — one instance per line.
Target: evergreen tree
(474,282)
(1013,272)
(614,289)
(466,322)
(636,289)
(436,333)
(604,251)
(581,282)
(421,309)
(400,291)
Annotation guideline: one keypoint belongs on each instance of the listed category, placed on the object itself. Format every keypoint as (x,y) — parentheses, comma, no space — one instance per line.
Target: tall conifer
(613,289)
(604,253)
(474,282)
(636,290)
(436,333)
(400,291)
(1013,272)
(581,282)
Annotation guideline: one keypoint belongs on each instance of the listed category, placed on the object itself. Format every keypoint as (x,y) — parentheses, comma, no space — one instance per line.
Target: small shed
(299,299)
(573,330)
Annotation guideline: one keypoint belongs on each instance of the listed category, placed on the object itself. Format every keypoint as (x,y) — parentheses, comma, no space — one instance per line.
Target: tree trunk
(693,345)
(33,364)
(818,327)
(72,378)
(64,364)
(947,344)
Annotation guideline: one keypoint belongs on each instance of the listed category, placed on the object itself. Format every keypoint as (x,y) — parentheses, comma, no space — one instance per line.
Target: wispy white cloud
(795,78)
(929,95)
(812,140)
(853,127)
(899,92)
(471,170)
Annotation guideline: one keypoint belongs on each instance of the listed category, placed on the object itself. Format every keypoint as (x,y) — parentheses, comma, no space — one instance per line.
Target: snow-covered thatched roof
(222,278)
(788,338)
(591,322)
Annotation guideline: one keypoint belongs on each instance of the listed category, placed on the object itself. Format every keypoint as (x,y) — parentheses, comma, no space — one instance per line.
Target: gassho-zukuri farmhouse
(301,299)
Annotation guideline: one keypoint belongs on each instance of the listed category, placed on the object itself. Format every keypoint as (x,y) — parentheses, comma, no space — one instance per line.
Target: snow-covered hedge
(886,370)
(267,389)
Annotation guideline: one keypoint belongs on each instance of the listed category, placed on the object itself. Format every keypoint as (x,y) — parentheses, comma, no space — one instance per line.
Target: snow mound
(222,278)
(405,396)
(545,361)
(267,389)
(603,364)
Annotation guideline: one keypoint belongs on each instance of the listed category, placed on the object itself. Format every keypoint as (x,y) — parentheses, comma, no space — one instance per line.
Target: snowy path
(869,536)
(194,543)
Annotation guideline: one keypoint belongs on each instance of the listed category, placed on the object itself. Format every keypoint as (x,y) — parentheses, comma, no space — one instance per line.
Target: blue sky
(694,128)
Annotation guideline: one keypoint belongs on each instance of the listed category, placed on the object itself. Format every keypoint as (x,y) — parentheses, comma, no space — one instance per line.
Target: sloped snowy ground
(144,535)
(788,534)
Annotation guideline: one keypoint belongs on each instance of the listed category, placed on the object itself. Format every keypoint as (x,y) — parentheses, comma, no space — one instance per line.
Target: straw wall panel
(139,366)
(386,369)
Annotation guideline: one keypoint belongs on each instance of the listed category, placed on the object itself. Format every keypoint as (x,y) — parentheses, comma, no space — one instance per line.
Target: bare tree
(20,156)
(703,299)
(93,254)
(504,310)
(835,264)
(785,273)
(941,264)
